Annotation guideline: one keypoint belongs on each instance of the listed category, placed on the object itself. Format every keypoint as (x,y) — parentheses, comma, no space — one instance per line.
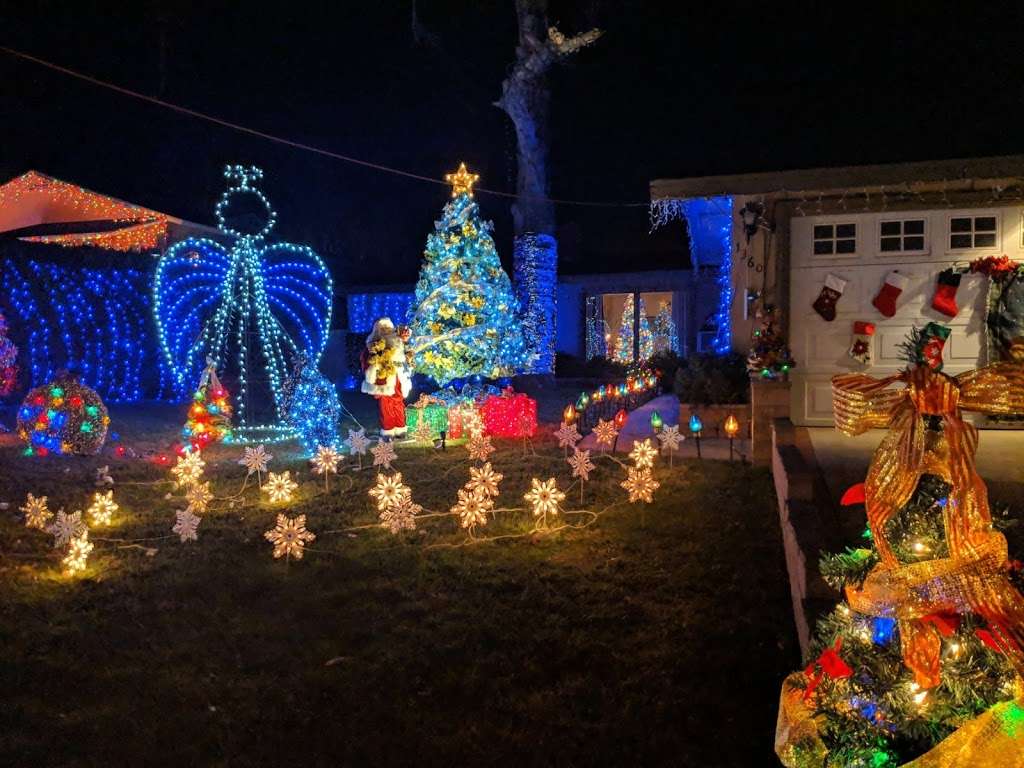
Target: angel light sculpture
(251,307)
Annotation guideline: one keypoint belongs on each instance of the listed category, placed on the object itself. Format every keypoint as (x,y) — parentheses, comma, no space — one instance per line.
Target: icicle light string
(290,142)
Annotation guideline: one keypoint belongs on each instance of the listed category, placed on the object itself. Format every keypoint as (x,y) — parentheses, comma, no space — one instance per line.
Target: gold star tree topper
(462,181)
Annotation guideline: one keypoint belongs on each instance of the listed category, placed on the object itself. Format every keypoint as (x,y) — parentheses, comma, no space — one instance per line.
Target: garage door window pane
(973,232)
(901,236)
(835,238)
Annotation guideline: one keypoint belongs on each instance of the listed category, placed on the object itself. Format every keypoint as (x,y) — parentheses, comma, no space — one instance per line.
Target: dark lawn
(657,636)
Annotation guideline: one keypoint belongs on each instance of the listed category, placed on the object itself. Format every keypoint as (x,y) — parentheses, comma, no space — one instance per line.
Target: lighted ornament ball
(63,417)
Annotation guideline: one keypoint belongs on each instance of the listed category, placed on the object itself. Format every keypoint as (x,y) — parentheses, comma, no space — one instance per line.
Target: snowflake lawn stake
(581,466)
(484,479)
(66,527)
(185,525)
(605,433)
(189,468)
(480,447)
(325,462)
(37,514)
(641,485)
(102,508)
(472,507)
(357,443)
(568,436)
(103,476)
(423,432)
(401,516)
(643,454)
(545,497)
(289,536)
(198,497)
(670,439)
(383,454)
(390,490)
(280,487)
(78,553)
(255,460)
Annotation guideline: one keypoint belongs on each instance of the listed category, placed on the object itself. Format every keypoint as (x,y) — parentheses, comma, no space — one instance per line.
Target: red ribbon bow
(829,663)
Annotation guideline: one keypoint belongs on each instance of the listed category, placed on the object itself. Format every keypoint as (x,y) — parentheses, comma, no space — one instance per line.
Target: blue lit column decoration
(709,224)
(534,275)
(364,309)
(252,308)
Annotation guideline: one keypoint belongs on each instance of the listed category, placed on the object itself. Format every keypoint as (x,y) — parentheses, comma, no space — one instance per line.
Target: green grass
(652,636)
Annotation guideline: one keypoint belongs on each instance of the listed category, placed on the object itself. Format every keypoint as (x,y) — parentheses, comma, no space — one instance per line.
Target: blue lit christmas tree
(466,318)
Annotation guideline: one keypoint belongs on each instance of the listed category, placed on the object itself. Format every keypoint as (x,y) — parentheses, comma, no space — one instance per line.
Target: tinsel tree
(466,318)
(8,356)
(769,356)
(209,416)
(921,664)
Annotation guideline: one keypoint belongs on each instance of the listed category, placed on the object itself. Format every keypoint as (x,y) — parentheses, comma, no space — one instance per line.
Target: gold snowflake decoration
(580,463)
(472,507)
(390,490)
(289,536)
(401,516)
(189,468)
(423,432)
(102,508)
(472,424)
(605,432)
(485,479)
(568,436)
(480,447)
(544,496)
(325,460)
(641,485)
(383,454)
(37,514)
(280,486)
(198,496)
(643,454)
(78,553)
(670,438)
(66,527)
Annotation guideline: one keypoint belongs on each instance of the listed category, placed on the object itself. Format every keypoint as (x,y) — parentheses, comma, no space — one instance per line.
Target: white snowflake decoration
(581,464)
(643,454)
(568,436)
(325,460)
(383,454)
(544,496)
(255,460)
(605,432)
(670,438)
(66,527)
(185,525)
(199,497)
(472,507)
(480,447)
(400,516)
(78,553)
(357,442)
(289,536)
(641,485)
(485,479)
(37,514)
(390,490)
(102,508)
(472,424)
(280,487)
(189,468)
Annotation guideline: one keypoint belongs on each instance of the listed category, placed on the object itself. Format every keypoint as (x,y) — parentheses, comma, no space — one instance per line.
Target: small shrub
(572,367)
(713,379)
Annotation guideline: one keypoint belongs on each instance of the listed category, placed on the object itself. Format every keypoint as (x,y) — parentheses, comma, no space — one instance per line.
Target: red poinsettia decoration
(995,267)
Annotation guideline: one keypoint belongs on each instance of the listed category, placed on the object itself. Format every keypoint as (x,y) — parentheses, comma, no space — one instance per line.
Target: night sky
(672,89)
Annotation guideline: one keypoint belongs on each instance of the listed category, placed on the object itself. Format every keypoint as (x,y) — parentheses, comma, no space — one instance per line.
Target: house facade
(881,235)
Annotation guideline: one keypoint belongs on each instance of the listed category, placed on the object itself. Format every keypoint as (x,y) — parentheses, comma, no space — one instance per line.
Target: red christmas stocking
(825,304)
(945,293)
(860,349)
(885,301)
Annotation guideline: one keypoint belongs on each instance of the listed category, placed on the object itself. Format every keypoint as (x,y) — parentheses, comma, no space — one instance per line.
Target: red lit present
(509,415)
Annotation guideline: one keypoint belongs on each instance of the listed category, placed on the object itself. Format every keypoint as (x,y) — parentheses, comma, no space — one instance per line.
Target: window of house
(616,322)
(835,239)
(972,232)
(903,236)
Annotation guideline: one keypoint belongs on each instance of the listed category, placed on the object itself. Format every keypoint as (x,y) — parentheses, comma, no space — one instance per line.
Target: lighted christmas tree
(646,337)
(624,341)
(466,317)
(8,355)
(666,339)
(769,356)
(921,664)
(312,407)
(209,416)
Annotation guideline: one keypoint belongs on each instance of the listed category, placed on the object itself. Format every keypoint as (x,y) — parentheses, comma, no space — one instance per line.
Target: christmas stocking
(945,293)
(825,304)
(930,345)
(860,349)
(885,301)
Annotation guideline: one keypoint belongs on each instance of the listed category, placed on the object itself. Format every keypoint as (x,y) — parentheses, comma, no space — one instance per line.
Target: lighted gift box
(509,415)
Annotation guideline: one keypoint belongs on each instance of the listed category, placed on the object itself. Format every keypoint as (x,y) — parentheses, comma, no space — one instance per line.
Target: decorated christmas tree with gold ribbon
(466,319)
(922,664)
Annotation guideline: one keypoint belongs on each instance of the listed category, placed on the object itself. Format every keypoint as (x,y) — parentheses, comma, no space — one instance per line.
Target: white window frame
(835,224)
(972,215)
(923,250)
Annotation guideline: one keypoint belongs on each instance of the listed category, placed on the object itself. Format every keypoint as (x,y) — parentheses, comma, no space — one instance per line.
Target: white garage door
(862,249)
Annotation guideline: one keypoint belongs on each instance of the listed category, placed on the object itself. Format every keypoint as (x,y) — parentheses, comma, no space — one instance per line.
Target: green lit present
(436,416)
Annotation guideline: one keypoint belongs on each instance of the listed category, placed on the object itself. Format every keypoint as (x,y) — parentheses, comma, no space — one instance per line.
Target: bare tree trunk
(525,98)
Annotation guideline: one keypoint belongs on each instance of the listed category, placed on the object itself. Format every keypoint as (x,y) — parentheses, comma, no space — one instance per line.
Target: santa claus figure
(386,374)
